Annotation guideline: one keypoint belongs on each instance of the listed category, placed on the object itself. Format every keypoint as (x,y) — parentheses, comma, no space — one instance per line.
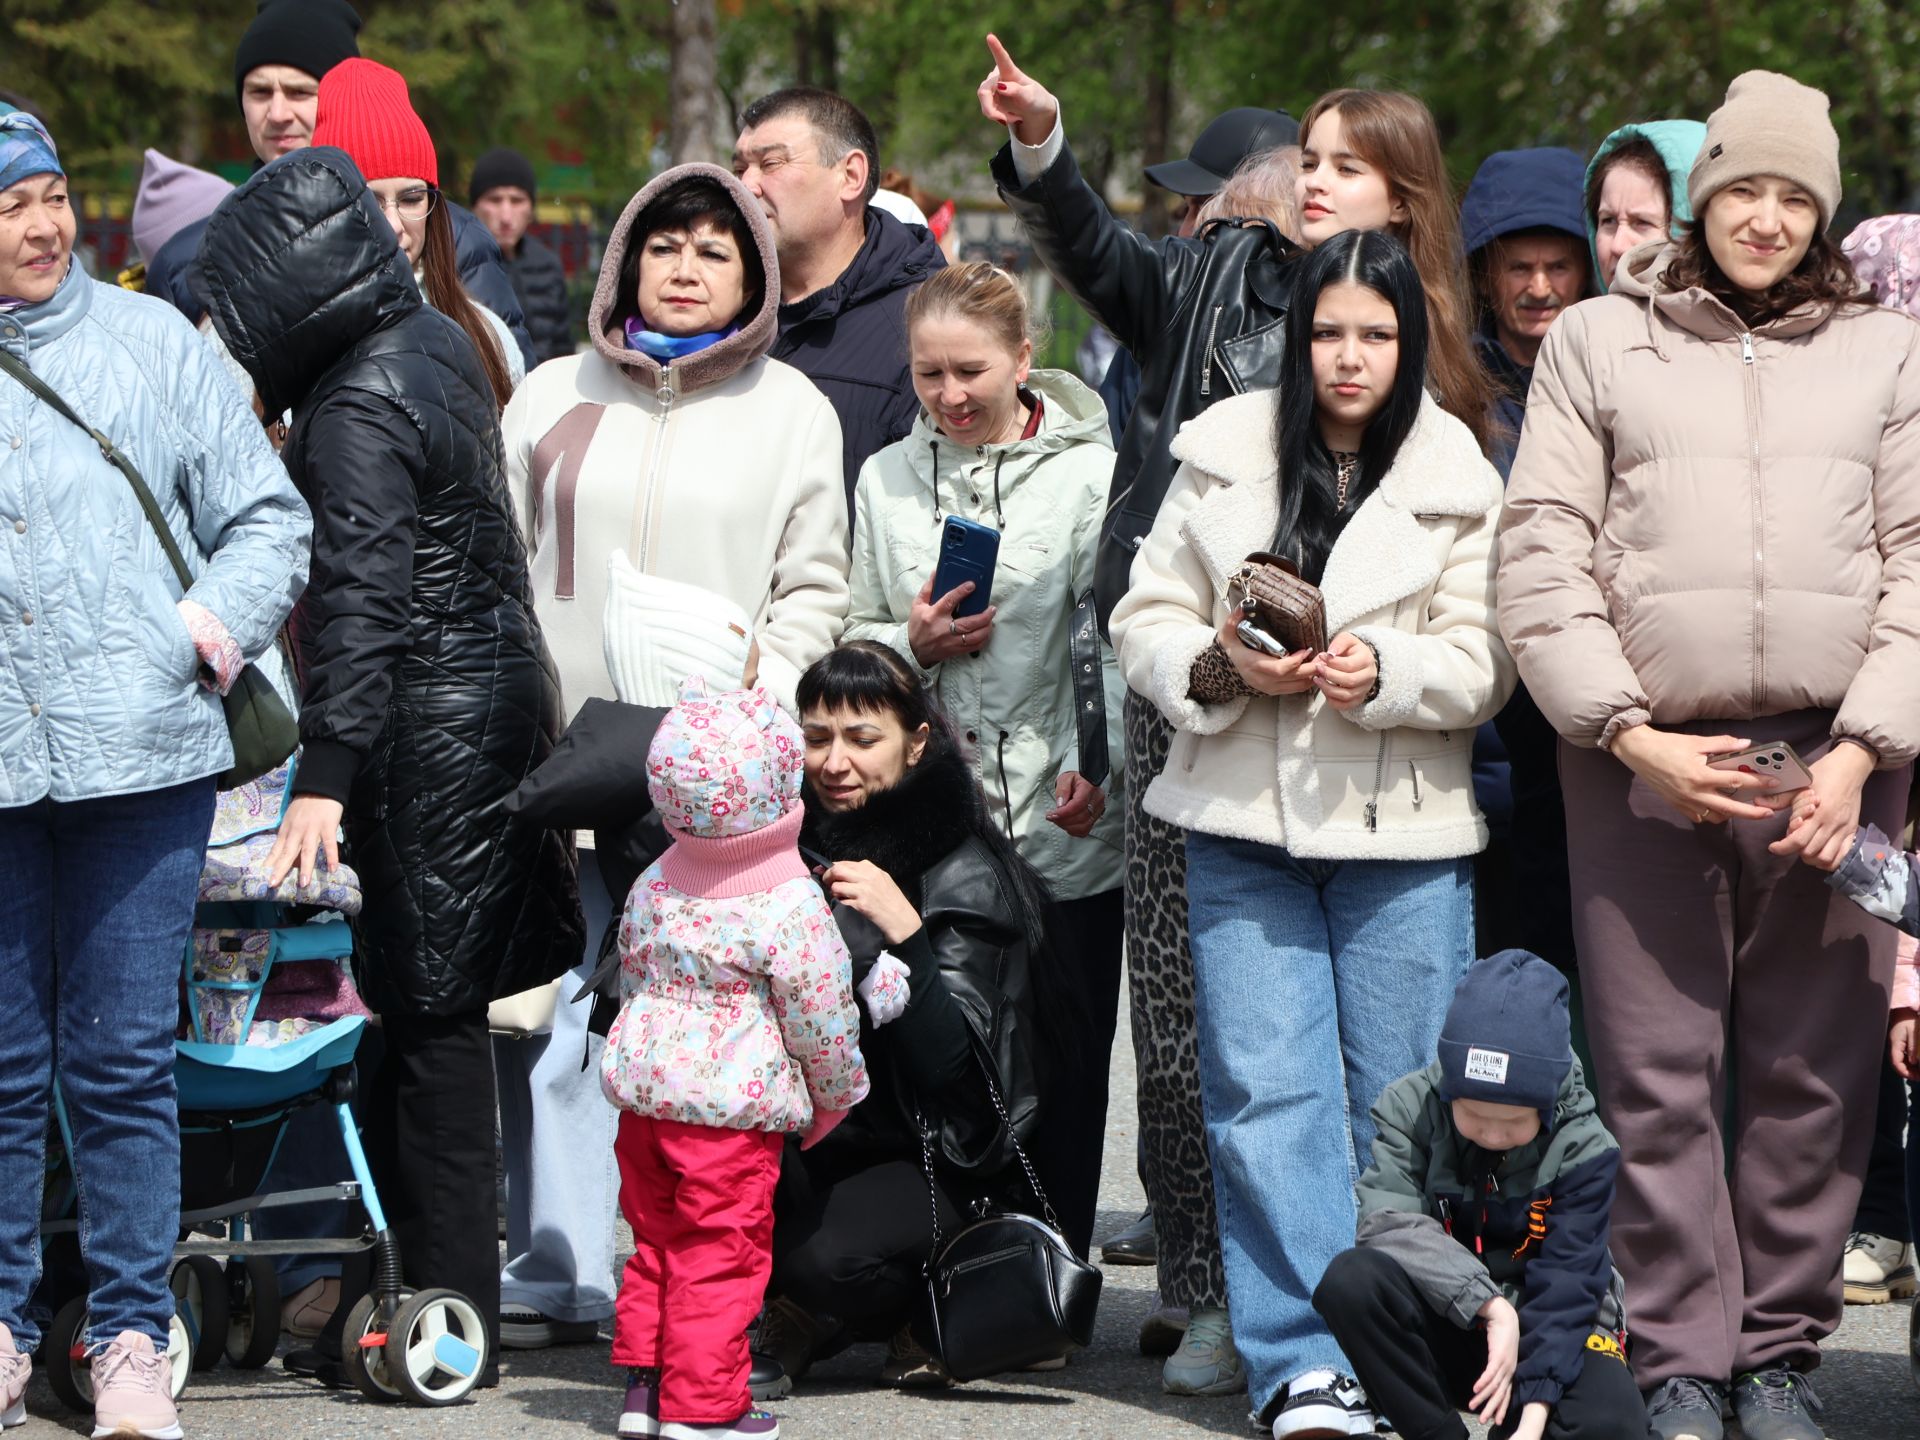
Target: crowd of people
(1534,578)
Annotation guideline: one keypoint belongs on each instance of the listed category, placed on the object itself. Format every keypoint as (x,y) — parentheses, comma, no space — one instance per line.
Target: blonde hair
(976,291)
(1262,187)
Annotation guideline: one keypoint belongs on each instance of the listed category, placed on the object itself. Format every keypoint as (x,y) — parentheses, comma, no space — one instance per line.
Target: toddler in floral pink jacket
(737,1028)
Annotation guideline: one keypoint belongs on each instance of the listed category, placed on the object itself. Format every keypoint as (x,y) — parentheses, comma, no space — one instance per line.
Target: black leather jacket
(972,985)
(1203,316)
(427,691)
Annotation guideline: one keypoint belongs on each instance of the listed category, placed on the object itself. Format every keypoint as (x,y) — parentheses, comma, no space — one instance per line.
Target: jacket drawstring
(1006,791)
(933,456)
(1653,331)
(999,515)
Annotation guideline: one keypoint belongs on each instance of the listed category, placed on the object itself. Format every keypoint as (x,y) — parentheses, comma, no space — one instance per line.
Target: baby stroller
(270,1024)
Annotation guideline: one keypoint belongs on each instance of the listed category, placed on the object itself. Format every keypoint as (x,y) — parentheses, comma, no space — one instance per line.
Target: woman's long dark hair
(440,278)
(1310,518)
(871,679)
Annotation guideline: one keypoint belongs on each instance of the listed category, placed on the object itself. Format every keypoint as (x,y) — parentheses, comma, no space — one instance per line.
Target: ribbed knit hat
(365,111)
(502,167)
(1769,125)
(1507,1039)
(309,35)
(171,197)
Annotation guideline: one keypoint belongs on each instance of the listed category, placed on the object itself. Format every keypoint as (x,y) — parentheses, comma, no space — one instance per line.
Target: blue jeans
(100,897)
(1316,985)
(556,1136)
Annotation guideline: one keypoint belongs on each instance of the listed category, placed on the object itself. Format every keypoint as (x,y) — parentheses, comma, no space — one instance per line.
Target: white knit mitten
(885,990)
(658,633)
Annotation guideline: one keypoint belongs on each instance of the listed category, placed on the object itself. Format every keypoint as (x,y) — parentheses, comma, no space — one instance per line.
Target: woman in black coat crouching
(920,874)
(426,690)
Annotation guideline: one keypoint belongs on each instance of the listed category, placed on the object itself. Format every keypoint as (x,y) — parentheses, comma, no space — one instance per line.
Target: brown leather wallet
(1272,595)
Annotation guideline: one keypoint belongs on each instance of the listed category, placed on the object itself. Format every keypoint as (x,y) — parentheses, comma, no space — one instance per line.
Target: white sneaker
(1876,1269)
(1322,1405)
(15,1370)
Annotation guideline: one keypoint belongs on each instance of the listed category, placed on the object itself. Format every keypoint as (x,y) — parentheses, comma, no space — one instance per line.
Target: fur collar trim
(909,829)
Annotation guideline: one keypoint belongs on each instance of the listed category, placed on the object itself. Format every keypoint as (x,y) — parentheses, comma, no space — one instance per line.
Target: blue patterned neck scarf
(669,348)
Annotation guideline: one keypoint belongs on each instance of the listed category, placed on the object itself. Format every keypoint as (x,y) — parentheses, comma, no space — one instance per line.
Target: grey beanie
(1507,1039)
(1769,125)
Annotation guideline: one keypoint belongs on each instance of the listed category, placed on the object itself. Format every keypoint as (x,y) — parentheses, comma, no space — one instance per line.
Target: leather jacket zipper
(1750,383)
(665,395)
(1206,360)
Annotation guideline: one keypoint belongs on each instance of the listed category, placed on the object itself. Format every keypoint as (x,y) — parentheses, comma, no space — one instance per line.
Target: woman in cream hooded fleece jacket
(720,469)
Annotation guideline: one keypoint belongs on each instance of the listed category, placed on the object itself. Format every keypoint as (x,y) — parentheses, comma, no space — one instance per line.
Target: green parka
(1013,703)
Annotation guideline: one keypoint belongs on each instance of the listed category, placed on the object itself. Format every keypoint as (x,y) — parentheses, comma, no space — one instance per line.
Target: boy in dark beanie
(1481,1275)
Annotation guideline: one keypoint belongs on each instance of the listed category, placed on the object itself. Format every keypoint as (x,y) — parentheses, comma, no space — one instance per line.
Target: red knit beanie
(364,110)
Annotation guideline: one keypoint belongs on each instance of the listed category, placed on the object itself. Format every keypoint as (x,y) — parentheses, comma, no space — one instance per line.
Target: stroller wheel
(366,1365)
(69,1371)
(437,1347)
(200,1299)
(253,1311)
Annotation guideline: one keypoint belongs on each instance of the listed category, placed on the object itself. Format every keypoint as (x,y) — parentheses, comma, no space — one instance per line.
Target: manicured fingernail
(1000,86)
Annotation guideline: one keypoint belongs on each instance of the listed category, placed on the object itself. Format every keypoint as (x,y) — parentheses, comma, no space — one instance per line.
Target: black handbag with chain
(1005,1292)
(261,727)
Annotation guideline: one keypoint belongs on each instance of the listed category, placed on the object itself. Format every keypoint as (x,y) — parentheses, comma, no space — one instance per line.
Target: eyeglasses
(411,204)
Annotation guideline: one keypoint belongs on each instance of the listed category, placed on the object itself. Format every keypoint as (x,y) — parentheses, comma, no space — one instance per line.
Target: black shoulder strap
(11,364)
(1089,690)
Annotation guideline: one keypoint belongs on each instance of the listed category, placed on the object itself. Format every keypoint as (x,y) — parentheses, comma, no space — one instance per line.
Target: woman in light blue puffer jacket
(111,734)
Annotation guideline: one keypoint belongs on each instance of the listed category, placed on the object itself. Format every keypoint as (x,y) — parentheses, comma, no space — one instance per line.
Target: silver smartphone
(1776,762)
(1254,638)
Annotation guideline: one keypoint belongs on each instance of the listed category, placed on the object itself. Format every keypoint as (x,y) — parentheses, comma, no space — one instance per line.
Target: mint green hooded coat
(1678,141)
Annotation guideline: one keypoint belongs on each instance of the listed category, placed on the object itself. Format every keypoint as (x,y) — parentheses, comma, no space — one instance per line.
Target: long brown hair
(1395,133)
(1824,276)
(440,277)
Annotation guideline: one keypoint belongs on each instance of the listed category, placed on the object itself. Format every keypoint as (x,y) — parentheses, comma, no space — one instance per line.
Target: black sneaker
(1135,1245)
(1684,1408)
(1321,1405)
(1777,1404)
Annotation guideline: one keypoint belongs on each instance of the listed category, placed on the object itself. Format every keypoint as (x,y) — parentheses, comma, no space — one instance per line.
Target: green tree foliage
(582,85)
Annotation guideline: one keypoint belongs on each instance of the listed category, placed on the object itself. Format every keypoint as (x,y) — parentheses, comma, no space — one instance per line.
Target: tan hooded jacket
(1709,523)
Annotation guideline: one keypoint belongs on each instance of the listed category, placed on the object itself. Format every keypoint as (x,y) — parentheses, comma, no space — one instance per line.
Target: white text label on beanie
(1487,1065)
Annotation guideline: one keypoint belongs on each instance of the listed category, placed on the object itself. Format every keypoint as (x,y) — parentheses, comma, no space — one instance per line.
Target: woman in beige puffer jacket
(1711,538)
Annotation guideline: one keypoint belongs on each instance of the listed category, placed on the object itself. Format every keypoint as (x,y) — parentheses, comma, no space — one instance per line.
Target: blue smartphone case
(968,551)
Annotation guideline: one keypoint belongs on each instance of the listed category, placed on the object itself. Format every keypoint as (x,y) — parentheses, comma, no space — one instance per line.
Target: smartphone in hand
(1776,762)
(968,551)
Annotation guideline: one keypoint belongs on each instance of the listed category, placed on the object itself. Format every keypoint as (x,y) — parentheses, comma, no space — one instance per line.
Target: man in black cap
(276,74)
(502,193)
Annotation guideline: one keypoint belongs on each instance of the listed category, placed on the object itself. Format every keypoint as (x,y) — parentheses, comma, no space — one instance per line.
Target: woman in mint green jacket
(1636,189)
(1027,453)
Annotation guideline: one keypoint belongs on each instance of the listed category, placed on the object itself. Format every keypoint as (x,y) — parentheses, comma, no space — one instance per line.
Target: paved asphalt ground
(1107,1391)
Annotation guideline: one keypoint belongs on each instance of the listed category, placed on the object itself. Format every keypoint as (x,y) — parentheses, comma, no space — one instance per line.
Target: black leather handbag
(1005,1292)
(263,730)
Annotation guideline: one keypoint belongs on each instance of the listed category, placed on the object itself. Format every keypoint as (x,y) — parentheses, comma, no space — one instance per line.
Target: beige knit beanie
(1769,125)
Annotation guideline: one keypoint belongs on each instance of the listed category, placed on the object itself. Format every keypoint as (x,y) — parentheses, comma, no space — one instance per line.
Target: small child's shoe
(756,1424)
(15,1369)
(641,1415)
(133,1391)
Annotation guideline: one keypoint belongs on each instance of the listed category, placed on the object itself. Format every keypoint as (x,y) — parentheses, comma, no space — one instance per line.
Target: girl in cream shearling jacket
(1411,574)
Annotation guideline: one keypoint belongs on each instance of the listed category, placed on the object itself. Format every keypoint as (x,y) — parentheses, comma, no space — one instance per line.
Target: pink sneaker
(133,1392)
(14,1370)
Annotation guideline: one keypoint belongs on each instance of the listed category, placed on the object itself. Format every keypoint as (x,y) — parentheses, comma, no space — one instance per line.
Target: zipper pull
(1446,1215)
(664,394)
(1373,815)
(1414,770)
(1206,361)
(1746,347)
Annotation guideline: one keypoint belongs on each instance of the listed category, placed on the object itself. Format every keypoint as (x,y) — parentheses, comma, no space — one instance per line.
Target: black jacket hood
(894,256)
(297,266)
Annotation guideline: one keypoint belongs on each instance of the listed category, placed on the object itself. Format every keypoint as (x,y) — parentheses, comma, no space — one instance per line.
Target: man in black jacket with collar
(811,159)
(276,74)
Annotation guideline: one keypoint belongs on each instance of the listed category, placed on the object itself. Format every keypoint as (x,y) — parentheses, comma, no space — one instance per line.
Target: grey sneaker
(1777,1404)
(1684,1408)
(1206,1362)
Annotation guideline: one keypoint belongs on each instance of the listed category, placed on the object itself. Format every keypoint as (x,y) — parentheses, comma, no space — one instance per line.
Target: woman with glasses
(365,111)
(427,690)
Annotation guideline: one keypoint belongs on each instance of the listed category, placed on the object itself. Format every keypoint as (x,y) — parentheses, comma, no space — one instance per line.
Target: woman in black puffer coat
(427,693)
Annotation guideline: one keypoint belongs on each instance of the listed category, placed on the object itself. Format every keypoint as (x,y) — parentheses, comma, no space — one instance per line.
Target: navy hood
(1540,189)
(894,256)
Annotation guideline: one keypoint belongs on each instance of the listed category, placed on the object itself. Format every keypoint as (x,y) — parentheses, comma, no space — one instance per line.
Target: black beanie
(309,35)
(1507,1039)
(501,167)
